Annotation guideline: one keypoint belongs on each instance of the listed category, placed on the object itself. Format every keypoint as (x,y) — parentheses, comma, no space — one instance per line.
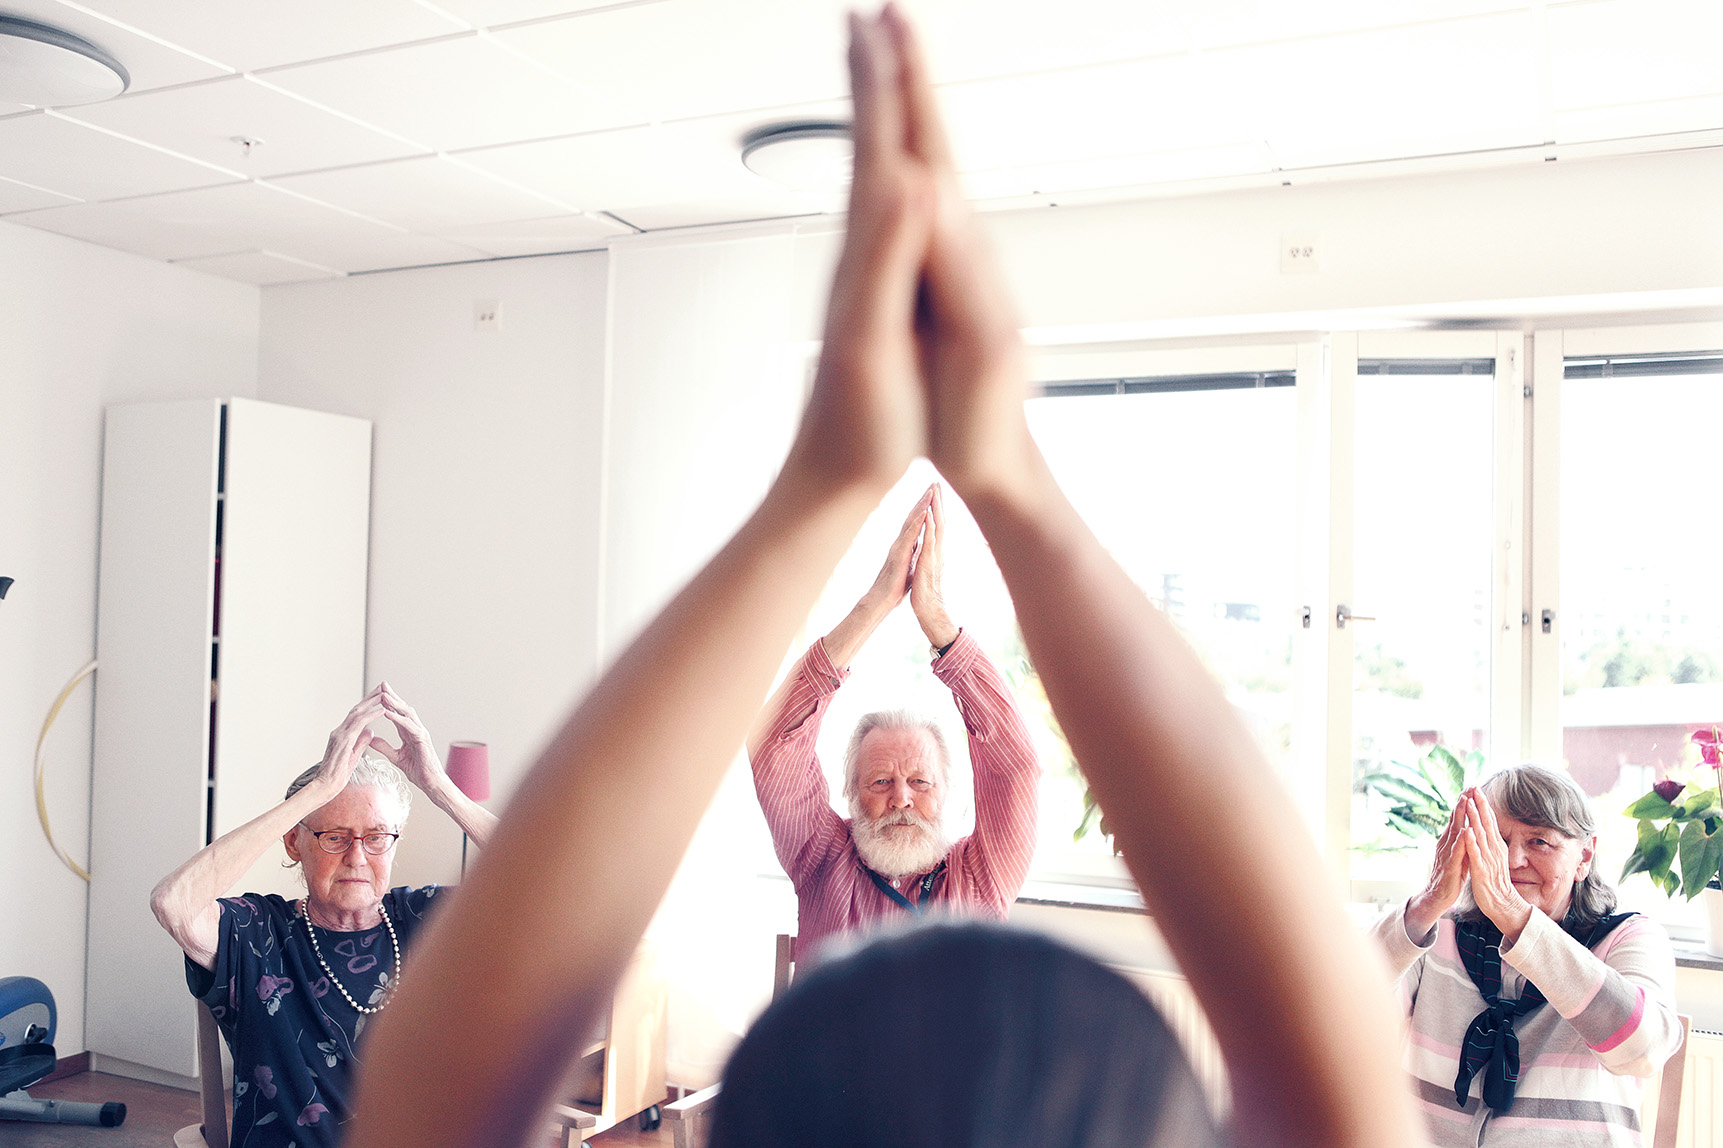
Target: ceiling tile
(972,39)
(1116,171)
(738,209)
(1151,106)
(15,196)
(1632,51)
(51,152)
(149,63)
(246,217)
(453,94)
(490,13)
(539,236)
(631,168)
(202,120)
(1238,22)
(264,268)
(429,194)
(1628,121)
(250,34)
(1459,86)
(704,58)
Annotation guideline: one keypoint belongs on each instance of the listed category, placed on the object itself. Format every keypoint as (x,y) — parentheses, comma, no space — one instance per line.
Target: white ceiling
(394,133)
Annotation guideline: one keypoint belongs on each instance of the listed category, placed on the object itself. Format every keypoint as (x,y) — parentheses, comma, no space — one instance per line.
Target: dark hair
(954,1035)
(1538,795)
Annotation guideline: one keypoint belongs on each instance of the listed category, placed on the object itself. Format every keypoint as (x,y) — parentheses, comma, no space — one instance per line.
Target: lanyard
(921,898)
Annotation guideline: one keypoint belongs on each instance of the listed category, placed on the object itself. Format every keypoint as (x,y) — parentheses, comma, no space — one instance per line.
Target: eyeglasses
(339,840)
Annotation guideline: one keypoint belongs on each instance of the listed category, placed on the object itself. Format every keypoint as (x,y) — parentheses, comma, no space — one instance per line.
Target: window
(1641,635)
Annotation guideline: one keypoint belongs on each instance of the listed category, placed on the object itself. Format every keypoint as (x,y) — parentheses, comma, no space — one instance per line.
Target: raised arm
(1301,1009)
(185,900)
(417,758)
(516,970)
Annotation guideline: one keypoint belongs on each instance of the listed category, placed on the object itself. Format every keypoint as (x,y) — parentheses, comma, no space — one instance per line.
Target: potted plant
(1680,843)
(1422,796)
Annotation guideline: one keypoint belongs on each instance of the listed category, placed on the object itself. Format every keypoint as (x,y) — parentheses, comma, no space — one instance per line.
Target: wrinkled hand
(925,595)
(347,741)
(1447,877)
(867,419)
(893,581)
(416,756)
(1492,881)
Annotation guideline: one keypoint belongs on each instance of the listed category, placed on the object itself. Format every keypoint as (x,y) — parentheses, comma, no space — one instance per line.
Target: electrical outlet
(1299,254)
(488,315)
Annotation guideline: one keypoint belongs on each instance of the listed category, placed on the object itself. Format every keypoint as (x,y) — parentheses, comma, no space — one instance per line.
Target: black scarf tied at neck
(1491,1044)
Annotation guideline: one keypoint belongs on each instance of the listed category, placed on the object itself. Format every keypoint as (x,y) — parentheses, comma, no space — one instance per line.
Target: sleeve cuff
(958,659)
(822,675)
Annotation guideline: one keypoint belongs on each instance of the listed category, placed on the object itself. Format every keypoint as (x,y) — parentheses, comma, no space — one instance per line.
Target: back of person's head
(955,1035)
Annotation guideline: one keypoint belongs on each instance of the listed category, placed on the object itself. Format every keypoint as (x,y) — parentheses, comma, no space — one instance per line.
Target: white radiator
(1702,1092)
(1172,995)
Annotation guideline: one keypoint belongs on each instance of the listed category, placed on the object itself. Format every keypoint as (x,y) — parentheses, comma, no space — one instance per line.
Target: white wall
(1593,227)
(485,493)
(80,327)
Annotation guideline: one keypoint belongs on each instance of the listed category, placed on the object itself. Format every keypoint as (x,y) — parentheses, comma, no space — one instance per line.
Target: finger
(878,124)
(923,131)
(387,750)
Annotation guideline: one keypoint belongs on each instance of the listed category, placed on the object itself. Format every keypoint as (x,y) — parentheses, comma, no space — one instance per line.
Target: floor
(154,1113)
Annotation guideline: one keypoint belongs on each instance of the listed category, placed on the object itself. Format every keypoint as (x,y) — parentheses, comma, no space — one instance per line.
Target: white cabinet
(231,639)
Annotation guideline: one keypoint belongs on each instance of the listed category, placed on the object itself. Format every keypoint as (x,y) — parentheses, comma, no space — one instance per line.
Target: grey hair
(1538,795)
(368,771)
(890,719)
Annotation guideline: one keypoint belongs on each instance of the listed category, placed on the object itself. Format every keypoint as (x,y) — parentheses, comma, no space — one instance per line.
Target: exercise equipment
(27,1020)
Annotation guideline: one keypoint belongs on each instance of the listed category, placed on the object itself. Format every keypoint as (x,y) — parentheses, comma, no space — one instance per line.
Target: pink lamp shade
(469,767)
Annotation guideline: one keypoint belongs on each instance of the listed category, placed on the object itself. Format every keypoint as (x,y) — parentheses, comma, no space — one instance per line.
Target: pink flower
(265,1080)
(1708,742)
(1667,789)
(311,1114)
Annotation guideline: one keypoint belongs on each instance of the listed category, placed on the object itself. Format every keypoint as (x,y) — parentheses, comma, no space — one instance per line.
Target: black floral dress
(292,1034)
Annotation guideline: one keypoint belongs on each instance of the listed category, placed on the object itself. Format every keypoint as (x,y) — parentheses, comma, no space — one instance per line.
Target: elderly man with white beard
(892,856)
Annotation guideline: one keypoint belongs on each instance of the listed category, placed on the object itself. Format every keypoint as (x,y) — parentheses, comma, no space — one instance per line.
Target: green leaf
(1694,844)
(1409,828)
(1671,884)
(1398,789)
(1456,771)
(1650,805)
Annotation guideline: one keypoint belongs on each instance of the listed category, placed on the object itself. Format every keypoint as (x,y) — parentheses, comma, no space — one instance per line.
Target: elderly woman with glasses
(293,983)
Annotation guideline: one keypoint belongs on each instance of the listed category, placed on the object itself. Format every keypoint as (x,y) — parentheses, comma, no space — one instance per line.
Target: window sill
(1066,896)
(1690,955)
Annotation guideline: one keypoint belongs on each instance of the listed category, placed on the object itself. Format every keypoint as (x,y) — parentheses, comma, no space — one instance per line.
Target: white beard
(898,844)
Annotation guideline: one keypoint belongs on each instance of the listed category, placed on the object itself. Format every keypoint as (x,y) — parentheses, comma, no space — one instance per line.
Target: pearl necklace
(311,931)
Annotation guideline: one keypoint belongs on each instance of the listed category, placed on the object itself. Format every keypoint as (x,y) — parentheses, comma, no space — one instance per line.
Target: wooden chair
(1660,1116)
(212,1086)
(690,1117)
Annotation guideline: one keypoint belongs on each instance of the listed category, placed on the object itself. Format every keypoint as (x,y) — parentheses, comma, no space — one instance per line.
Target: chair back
(1661,1114)
(786,965)
(212,1087)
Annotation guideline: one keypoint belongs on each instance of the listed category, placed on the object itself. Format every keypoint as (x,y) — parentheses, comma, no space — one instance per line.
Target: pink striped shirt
(983,871)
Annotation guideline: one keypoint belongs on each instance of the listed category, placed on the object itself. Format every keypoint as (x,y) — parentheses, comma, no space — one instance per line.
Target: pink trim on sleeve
(1627,1028)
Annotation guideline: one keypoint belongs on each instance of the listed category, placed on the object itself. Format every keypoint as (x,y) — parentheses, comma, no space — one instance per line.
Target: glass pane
(1194,493)
(1423,515)
(1642,615)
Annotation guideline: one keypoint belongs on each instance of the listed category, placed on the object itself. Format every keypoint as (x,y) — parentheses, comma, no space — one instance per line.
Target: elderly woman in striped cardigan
(1535,1008)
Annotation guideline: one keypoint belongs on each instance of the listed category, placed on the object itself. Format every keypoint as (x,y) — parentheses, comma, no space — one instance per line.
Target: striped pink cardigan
(1610,1021)
(983,871)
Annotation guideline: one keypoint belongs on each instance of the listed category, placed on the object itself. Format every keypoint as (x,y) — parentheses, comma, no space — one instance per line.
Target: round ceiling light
(44,67)
(803,155)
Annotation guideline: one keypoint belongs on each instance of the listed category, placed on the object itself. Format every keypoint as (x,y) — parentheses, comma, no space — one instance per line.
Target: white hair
(890,720)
